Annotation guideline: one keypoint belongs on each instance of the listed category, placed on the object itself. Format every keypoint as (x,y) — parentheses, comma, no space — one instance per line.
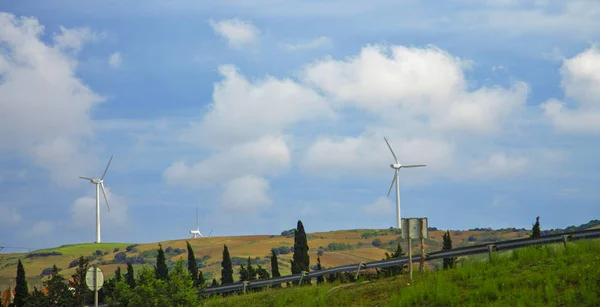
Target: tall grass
(542,276)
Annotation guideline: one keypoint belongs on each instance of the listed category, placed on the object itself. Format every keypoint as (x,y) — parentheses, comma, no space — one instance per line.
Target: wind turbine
(397,166)
(99,184)
(196,233)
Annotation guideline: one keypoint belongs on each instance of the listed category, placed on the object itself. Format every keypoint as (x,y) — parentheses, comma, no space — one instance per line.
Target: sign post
(414,228)
(94,279)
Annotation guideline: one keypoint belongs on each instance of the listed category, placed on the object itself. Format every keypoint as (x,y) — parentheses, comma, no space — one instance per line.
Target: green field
(546,276)
(84,249)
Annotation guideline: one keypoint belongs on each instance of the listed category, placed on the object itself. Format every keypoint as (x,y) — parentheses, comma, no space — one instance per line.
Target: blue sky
(265,112)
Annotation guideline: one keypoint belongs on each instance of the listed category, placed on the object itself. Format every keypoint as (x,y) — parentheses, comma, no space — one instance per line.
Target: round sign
(99,279)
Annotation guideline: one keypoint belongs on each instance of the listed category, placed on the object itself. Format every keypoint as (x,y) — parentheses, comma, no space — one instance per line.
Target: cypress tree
(192,265)
(301,258)
(214,283)
(536,233)
(274,264)
(21,289)
(320,278)
(226,267)
(118,274)
(447,245)
(129,276)
(251,271)
(161,270)
(200,279)
(243,273)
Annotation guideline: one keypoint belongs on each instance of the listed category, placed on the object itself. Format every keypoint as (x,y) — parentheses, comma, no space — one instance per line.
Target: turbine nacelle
(396,166)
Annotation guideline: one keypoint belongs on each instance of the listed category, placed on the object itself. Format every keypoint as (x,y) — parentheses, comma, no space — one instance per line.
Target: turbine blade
(409,166)
(105,197)
(393,181)
(106,170)
(197,218)
(87,178)
(390,147)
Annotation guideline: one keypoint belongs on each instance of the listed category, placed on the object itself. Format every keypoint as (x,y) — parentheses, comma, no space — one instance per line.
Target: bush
(336,246)
(98,253)
(471,239)
(115,250)
(131,248)
(43,254)
(320,251)
(376,242)
(121,258)
(74,263)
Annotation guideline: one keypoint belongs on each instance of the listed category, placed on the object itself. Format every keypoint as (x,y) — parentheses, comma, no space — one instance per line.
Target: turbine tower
(99,184)
(196,233)
(397,166)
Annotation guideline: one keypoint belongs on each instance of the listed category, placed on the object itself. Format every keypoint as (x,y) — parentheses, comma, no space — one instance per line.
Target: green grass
(545,276)
(85,249)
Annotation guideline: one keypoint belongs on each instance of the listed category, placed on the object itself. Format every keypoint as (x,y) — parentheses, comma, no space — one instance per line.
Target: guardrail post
(361,265)
(245,284)
(567,238)
(302,274)
(491,248)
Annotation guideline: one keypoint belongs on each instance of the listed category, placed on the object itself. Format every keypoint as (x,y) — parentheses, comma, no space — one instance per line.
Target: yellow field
(240,246)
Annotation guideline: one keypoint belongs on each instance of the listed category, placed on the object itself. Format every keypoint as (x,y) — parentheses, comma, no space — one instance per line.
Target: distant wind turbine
(99,184)
(196,233)
(397,166)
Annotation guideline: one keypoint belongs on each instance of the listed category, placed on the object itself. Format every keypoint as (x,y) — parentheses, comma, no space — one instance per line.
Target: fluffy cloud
(243,110)
(115,60)
(268,156)
(50,123)
(9,215)
(319,42)
(40,229)
(581,83)
(246,194)
(238,33)
(499,165)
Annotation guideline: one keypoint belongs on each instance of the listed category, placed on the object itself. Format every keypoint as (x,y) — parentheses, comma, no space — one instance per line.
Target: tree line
(158,287)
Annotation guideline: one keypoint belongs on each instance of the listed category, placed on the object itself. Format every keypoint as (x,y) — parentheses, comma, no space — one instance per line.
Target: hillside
(547,276)
(338,248)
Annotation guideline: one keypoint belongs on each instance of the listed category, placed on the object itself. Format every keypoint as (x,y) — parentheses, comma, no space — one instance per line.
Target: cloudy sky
(261,113)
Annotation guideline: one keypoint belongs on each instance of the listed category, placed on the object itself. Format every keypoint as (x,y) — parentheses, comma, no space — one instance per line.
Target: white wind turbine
(397,166)
(196,233)
(99,184)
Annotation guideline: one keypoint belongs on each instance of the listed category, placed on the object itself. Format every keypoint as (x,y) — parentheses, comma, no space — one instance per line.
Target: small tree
(21,289)
(447,245)
(161,270)
(78,281)
(214,283)
(181,289)
(192,266)
(535,233)
(118,274)
(226,267)
(395,270)
(251,271)
(129,276)
(320,278)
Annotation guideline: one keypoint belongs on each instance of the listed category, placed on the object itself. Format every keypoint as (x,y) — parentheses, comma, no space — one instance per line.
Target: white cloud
(115,60)
(268,156)
(419,81)
(243,110)
(246,193)
(581,83)
(50,123)
(319,42)
(238,33)
(73,38)
(83,211)
(382,206)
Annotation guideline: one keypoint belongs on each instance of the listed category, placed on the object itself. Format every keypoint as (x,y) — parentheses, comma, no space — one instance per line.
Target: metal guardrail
(457,252)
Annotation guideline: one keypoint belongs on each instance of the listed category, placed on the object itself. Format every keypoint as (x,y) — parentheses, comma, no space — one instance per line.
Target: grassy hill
(338,248)
(547,276)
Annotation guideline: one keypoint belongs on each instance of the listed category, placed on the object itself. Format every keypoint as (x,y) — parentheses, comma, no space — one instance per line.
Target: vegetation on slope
(546,276)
